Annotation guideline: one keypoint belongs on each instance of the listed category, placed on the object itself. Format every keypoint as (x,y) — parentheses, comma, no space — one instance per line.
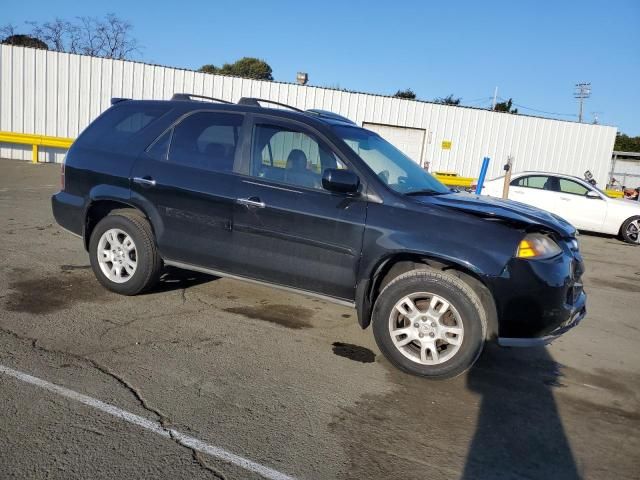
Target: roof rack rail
(255,102)
(115,100)
(328,114)
(190,96)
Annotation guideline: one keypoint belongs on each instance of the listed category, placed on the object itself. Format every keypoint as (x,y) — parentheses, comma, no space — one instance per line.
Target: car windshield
(392,166)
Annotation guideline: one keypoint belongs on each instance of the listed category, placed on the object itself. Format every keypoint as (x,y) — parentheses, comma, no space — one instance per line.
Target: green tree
(506,107)
(208,68)
(448,100)
(25,41)
(407,94)
(625,143)
(247,67)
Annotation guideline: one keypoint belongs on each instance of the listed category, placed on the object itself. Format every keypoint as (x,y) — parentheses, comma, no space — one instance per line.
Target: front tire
(630,230)
(123,253)
(429,323)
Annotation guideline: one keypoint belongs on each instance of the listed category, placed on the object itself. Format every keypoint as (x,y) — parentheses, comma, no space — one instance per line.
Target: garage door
(408,140)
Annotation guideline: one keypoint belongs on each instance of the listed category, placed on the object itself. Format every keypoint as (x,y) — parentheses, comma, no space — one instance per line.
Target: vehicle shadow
(519,433)
(173,278)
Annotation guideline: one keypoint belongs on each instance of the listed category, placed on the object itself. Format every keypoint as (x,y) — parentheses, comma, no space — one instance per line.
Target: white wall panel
(59,94)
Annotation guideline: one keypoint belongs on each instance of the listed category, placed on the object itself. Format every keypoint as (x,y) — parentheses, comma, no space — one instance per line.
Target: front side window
(574,188)
(206,140)
(392,166)
(290,156)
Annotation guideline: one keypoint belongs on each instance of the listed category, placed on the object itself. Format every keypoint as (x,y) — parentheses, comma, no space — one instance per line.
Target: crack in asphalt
(163,421)
(183,295)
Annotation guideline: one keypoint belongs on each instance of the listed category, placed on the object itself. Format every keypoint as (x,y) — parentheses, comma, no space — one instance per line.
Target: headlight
(537,246)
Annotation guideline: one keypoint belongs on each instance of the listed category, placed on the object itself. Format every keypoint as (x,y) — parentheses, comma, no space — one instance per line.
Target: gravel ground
(287,381)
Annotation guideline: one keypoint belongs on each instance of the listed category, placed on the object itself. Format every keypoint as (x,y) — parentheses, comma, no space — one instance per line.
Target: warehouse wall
(59,94)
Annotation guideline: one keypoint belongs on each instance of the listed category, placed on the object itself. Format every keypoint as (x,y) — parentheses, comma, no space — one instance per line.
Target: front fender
(472,244)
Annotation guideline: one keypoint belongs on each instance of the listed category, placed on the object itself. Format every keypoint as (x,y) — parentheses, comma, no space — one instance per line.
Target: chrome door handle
(251,202)
(144,181)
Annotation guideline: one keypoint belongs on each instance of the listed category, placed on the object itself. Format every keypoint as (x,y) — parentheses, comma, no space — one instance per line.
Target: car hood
(490,207)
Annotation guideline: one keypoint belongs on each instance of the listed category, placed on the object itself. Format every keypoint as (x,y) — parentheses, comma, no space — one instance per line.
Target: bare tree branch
(109,37)
(8,30)
(52,33)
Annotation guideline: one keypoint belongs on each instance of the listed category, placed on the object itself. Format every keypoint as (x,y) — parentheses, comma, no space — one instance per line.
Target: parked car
(579,202)
(309,201)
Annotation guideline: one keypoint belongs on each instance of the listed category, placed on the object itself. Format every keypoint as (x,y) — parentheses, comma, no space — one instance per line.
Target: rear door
(535,190)
(287,228)
(186,177)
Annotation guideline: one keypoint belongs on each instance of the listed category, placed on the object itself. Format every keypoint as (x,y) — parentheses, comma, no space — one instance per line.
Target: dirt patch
(626,287)
(500,420)
(53,292)
(285,315)
(616,382)
(354,352)
(70,268)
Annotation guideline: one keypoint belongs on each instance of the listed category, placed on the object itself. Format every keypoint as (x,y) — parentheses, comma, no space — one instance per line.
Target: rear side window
(533,181)
(113,129)
(206,140)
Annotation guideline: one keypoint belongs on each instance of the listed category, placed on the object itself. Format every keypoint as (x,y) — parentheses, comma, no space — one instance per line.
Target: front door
(287,228)
(187,178)
(573,204)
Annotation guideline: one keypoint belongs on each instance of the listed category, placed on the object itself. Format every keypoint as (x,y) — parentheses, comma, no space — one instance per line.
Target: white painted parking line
(150,425)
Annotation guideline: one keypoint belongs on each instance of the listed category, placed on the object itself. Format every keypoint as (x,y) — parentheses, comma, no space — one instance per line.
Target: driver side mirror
(340,181)
(593,195)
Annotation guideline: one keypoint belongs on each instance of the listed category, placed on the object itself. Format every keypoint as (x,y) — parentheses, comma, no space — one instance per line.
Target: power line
(545,112)
(540,111)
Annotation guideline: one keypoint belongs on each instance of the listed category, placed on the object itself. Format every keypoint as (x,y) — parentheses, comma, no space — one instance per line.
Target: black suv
(309,201)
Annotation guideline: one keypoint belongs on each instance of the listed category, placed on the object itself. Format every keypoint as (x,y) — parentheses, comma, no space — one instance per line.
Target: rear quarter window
(117,126)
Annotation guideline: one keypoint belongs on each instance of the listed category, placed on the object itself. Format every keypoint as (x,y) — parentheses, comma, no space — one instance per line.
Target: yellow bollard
(34,153)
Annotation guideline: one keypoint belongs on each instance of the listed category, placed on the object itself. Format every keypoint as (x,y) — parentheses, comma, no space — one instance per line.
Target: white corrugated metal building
(58,94)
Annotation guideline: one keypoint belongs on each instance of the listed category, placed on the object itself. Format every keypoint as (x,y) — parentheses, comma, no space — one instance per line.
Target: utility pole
(495,99)
(583,90)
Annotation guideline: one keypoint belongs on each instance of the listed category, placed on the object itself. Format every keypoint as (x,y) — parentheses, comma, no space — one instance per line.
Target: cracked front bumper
(576,317)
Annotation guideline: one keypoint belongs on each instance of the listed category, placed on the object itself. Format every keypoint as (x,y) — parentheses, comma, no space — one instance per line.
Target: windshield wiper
(424,192)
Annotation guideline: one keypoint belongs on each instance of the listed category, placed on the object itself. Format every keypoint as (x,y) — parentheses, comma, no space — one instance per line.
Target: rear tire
(630,230)
(123,253)
(430,324)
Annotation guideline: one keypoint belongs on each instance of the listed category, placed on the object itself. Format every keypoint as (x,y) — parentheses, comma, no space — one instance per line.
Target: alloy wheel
(426,328)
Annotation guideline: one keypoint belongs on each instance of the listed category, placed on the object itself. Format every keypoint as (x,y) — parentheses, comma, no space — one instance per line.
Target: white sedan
(575,200)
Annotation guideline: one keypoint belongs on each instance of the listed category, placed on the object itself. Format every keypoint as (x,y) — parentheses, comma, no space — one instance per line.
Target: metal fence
(50,93)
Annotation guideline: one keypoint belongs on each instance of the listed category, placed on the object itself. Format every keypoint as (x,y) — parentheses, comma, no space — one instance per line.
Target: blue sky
(534,51)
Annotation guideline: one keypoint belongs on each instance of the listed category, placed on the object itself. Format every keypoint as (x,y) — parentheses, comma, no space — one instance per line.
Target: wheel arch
(100,207)
(396,264)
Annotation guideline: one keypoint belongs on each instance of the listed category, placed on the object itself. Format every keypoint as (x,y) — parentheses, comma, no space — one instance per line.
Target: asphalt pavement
(214,378)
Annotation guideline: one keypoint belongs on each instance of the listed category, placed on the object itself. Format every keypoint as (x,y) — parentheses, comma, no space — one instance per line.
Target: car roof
(555,174)
(538,172)
(247,104)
